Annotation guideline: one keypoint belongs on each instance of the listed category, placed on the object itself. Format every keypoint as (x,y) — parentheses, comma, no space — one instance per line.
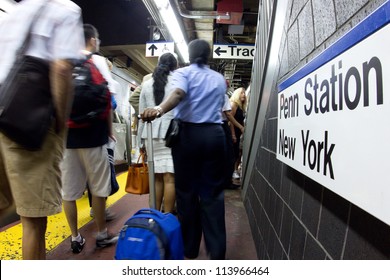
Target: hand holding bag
(137,177)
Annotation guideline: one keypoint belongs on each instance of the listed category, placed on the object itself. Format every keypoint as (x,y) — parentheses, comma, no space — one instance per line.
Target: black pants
(200,175)
(230,154)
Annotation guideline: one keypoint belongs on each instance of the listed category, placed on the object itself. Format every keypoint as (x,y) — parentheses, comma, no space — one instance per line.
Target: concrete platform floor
(240,245)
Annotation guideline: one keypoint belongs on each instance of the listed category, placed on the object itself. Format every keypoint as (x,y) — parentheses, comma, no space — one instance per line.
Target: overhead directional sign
(155,49)
(234,51)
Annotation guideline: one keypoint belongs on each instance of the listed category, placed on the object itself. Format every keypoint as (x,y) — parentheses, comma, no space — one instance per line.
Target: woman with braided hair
(153,93)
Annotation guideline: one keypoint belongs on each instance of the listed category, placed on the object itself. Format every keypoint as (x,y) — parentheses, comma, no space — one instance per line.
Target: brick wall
(293,217)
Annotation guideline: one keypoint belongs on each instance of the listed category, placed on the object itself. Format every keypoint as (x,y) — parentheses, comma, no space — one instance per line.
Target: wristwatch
(160,111)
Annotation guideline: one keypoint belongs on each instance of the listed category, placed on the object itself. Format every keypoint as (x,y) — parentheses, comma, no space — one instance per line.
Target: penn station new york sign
(334,116)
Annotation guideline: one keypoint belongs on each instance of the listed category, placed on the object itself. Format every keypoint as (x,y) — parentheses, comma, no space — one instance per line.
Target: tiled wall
(292,216)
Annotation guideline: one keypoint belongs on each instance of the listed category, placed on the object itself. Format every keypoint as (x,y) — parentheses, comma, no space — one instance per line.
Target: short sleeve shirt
(204,94)
(226,107)
(56,34)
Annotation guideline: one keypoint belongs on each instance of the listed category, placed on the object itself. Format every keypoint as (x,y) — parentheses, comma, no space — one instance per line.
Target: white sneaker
(236,175)
(110,239)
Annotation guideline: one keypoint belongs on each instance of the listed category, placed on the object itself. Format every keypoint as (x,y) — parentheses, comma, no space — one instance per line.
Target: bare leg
(70,209)
(169,192)
(159,189)
(238,162)
(99,208)
(33,240)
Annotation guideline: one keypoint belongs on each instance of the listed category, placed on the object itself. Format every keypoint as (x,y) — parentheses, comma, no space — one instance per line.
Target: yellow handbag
(138,177)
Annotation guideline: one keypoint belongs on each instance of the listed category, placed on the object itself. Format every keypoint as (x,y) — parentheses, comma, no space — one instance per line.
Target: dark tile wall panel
(311,205)
(333,223)
(296,191)
(285,185)
(367,237)
(313,250)
(292,216)
(297,241)
(285,233)
(276,219)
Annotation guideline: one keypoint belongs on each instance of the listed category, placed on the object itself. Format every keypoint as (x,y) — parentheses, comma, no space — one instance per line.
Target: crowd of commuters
(190,177)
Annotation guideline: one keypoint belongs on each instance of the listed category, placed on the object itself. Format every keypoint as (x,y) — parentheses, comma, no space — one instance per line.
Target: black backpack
(92,98)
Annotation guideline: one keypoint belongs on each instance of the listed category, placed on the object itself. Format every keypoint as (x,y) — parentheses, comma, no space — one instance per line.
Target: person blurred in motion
(153,93)
(134,102)
(115,87)
(33,177)
(228,120)
(200,155)
(86,161)
(238,103)
(134,98)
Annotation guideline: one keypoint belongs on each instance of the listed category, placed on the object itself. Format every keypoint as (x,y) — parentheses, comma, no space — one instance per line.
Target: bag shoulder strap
(22,49)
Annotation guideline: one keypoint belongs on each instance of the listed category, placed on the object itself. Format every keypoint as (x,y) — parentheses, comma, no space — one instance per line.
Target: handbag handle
(141,155)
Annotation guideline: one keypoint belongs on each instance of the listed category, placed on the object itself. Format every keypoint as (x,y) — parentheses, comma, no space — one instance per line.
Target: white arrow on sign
(154,49)
(234,51)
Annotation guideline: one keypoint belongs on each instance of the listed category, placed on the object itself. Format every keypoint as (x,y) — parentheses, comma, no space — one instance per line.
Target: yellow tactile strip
(57,226)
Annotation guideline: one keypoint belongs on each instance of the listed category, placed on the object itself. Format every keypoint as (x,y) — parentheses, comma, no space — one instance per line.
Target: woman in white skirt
(152,94)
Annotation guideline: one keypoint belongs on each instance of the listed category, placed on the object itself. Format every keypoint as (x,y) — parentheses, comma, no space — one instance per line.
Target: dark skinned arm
(171,102)
(62,91)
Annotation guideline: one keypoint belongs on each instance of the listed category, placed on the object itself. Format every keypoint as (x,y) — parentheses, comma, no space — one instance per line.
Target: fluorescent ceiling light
(173,26)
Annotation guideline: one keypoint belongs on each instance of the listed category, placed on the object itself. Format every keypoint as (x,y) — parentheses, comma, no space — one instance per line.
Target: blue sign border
(378,19)
(159,42)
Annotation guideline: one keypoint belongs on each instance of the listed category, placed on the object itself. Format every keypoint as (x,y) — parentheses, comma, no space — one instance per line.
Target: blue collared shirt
(204,94)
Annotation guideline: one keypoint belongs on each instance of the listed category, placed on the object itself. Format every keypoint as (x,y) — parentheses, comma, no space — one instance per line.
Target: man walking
(32,179)
(86,161)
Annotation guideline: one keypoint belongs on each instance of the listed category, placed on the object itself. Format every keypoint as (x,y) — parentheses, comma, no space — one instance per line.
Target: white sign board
(156,49)
(334,123)
(233,51)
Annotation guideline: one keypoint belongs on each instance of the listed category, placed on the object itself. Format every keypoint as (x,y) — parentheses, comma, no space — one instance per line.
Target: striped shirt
(57,34)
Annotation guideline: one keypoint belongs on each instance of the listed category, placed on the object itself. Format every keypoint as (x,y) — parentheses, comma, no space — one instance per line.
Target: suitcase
(150,234)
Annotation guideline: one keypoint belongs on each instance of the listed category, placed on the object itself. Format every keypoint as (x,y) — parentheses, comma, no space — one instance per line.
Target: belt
(199,124)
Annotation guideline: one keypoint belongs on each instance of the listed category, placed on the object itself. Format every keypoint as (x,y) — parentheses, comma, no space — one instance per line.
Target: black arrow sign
(218,51)
(152,48)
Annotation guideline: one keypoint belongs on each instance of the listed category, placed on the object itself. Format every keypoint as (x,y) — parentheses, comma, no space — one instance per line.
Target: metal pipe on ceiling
(201,14)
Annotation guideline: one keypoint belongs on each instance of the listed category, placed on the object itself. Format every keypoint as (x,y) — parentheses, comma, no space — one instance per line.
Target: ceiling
(126,25)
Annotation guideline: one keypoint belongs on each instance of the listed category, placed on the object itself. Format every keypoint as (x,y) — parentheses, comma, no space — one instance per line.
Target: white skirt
(162,155)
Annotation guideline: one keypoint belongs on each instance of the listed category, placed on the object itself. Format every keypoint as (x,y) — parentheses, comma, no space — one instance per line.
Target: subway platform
(240,245)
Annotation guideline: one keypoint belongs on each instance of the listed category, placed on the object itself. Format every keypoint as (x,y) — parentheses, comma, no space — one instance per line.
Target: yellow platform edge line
(57,226)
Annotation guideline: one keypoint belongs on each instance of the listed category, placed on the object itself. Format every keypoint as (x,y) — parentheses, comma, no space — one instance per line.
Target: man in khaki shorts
(31,180)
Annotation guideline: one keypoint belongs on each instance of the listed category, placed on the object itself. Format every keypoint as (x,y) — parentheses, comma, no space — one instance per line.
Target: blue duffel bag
(150,235)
